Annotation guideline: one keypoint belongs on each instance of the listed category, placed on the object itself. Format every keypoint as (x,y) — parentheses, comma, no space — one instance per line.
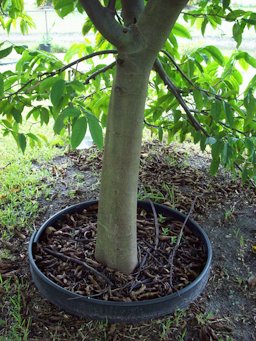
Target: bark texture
(116,234)
(138,44)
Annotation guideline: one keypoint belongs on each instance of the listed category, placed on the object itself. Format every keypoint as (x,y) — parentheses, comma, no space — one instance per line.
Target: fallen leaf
(252,282)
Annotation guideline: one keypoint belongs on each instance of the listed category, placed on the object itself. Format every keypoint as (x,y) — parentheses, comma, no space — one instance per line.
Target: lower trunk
(116,244)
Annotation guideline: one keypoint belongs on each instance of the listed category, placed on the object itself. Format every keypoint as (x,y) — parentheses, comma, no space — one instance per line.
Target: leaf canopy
(209,83)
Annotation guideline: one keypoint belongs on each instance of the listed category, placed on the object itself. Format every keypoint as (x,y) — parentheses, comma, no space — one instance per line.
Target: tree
(197,93)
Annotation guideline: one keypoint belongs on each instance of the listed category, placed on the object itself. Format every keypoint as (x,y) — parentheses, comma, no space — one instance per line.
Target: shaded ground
(227,211)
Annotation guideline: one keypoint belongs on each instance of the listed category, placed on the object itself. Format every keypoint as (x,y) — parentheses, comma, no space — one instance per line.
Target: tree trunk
(116,244)
(138,46)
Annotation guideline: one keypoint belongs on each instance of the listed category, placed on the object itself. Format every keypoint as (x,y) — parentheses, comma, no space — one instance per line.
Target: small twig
(102,70)
(195,86)
(89,56)
(141,267)
(47,74)
(8,164)
(151,255)
(156,223)
(156,126)
(77,261)
(175,91)
(158,251)
(172,255)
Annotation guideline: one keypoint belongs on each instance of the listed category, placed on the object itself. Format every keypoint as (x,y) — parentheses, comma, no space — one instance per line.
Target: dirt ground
(175,176)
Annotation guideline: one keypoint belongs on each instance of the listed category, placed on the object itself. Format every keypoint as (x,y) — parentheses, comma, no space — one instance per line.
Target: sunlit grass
(18,326)
(23,180)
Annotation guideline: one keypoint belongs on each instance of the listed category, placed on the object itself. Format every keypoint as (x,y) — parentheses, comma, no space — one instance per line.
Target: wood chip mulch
(66,256)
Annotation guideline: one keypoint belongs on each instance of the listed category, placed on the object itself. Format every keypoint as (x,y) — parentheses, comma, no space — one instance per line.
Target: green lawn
(21,181)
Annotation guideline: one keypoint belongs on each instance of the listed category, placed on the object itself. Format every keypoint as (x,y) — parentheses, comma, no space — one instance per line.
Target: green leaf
(249,21)
(1,85)
(22,143)
(216,109)
(87,26)
(64,7)
(247,57)
(215,53)
(78,131)
(40,2)
(57,92)
(20,48)
(237,33)
(95,130)
(210,140)
(77,86)
(198,99)
(225,3)
(181,31)
(17,115)
(217,148)
(33,138)
(229,113)
(4,53)
(245,174)
(60,121)
(250,104)
(44,116)
(47,83)
(226,154)
(214,165)
(234,15)
(204,24)
(58,4)
(251,85)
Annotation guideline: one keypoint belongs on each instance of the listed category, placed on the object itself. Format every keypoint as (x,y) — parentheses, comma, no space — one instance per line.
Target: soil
(224,207)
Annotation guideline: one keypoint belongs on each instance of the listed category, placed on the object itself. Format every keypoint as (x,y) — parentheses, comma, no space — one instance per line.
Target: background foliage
(203,97)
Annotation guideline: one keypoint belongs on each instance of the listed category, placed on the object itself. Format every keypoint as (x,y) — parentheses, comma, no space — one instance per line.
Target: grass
(17,325)
(21,183)
(174,325)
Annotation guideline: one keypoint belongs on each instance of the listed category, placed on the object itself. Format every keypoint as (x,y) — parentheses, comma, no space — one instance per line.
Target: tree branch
(203,15)
(105,23)
(60,70)
(131,11)
(163,75)
(102,70)
(188,79)
(157,20)
(89,56)
(161,72)
(173,253)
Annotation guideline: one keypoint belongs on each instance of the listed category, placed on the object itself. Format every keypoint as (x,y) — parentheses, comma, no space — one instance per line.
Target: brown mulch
(167,177)
(66,256)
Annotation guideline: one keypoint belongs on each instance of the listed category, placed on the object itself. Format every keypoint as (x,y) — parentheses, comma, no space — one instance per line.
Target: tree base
(102,304)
